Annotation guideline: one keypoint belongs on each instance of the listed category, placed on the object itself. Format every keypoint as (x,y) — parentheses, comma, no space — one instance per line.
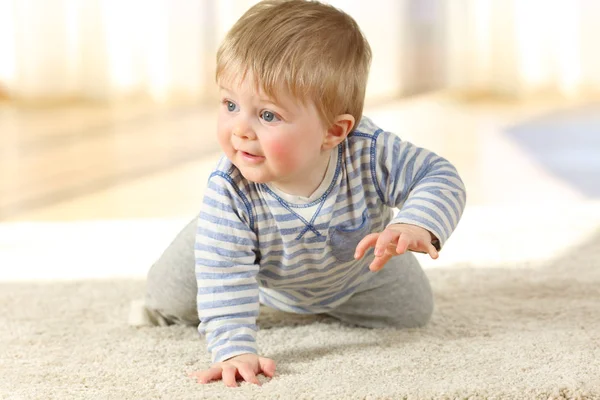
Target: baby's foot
(140,315)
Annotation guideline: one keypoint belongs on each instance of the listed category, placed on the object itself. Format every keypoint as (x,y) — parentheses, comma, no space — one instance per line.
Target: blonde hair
(312,50)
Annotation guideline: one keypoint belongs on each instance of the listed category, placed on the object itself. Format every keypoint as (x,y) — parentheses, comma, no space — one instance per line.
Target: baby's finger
(267,366)
(366,242)
(402,245)
(433,253)
(248,374)
(229,375)
(208,375)
(386,237)
(379,262)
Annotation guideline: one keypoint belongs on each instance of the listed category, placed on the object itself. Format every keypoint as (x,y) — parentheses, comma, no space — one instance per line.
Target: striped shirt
(255,244)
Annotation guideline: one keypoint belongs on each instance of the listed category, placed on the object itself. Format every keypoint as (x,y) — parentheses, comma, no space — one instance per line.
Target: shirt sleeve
(226,270)
(425,187)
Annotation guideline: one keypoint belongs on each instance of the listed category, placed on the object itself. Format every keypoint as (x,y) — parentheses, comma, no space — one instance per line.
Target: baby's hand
(244,366)
(394,240)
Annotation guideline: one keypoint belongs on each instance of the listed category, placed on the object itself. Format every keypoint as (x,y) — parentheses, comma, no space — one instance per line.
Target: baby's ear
(342,126)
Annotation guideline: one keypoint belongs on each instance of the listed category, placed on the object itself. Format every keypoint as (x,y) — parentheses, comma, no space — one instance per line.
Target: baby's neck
(307,182)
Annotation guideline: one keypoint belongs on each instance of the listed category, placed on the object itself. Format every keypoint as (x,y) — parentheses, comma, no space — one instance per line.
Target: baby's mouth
(250,156)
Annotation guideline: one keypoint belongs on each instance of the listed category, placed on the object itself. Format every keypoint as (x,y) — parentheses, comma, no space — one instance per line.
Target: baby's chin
(252,176)
(253,180)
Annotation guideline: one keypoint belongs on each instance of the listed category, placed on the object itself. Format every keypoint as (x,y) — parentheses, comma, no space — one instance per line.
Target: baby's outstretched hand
(244,367)
(394,240)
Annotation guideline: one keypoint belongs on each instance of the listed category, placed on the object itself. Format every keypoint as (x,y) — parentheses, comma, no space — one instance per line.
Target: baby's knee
(413,292)
(414,315)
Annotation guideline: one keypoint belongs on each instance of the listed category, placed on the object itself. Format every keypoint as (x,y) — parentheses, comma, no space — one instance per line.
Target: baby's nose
(244,131)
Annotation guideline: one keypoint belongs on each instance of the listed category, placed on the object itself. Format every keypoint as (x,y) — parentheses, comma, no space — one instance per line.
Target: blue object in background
(566,144)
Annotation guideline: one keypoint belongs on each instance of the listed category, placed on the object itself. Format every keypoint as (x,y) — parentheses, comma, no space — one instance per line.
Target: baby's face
(270,142)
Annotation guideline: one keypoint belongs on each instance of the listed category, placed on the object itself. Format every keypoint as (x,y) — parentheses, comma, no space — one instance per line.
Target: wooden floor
(54,155)
(145,161)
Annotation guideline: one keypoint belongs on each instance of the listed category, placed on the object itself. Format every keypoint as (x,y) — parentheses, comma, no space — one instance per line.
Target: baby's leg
(399,295)
(171,287)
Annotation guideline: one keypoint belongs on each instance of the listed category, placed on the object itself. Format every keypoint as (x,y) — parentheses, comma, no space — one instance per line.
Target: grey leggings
(399,295)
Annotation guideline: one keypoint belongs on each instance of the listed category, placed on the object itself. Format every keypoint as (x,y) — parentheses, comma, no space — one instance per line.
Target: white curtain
(523,47)
(102,49)
(111,49)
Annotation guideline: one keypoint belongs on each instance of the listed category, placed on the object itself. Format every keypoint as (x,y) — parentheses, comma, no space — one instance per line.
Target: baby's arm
(226,269)
(424,186)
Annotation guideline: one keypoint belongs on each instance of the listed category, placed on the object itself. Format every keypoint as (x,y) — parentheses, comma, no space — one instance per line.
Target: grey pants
(399,295)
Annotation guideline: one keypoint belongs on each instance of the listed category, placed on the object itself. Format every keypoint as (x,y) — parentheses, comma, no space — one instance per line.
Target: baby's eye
(231,106)
(269,116)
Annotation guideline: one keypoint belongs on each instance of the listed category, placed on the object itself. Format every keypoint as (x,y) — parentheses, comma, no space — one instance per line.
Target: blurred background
(107,120)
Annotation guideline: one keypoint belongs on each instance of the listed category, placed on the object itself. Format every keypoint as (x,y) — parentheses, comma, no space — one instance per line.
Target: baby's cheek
(223,140)
(283,153)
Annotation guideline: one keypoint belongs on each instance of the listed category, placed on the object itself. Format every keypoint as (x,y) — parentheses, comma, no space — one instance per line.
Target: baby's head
(310,51)
(292,77)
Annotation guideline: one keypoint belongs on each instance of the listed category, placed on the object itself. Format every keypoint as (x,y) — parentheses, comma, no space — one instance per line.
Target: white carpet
(518,327)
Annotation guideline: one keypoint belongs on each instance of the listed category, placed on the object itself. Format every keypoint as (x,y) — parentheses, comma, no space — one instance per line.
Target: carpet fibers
(519,331)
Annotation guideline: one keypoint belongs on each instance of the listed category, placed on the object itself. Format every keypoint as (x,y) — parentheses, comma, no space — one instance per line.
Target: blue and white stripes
(255,245)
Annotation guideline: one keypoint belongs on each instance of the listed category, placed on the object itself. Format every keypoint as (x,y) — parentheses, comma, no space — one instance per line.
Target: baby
(306,187)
